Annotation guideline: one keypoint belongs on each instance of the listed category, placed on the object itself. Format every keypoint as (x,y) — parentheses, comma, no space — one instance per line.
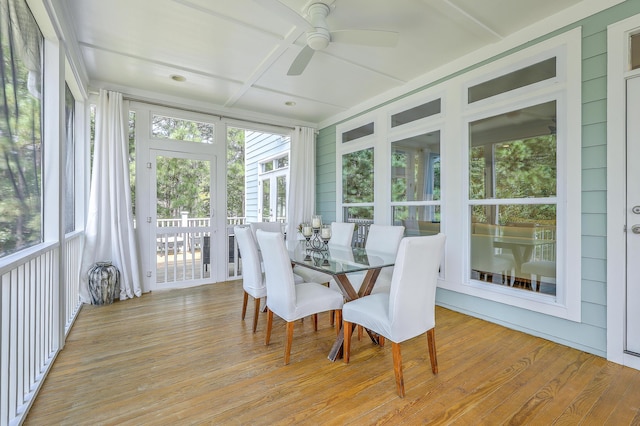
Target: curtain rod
(131,98)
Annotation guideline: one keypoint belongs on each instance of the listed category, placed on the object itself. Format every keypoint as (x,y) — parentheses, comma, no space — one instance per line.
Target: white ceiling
(235,54)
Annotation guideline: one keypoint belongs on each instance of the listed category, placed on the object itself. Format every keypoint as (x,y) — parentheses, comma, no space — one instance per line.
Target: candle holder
(317,238)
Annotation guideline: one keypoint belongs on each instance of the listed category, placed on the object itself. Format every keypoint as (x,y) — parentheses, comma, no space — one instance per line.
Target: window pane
(182,130)
(519,253)
(357,177)
(415,168)
(281,200)
(513,155)
(267,167)
(417,220)
(282,162)
(363,218)
(357,133)
(20,137)
(235,173)
(514,80)
(635,51)
(266,200)
(416,113)
(69,176)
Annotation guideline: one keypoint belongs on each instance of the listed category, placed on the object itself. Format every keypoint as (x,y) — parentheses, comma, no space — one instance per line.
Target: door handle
(635,229)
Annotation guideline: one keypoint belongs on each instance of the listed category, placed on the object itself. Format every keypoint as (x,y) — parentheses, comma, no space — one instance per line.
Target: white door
(633,217)
(183,232)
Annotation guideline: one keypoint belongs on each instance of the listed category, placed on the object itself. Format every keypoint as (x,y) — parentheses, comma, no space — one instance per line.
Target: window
(181,130)
(70,166)
(512,192)
(273,189)
(416,113)
(514,80)
(635,51)
(358,185)
(415,183)
(358,132)
(20,137)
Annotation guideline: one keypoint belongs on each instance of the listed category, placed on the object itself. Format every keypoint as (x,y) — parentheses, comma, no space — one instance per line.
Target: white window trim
(355,145)
(567,302)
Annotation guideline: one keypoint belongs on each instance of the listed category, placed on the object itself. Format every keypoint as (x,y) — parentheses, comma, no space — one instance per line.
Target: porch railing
(38,300)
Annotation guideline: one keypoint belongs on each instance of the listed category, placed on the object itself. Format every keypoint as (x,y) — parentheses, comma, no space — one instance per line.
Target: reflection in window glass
(20,137)
(416,113)
(281,200)
(415,168)
(519,252)
(635,51)
(266,200)
(523,77)
(282,162)
(69,163)
(417,220)
(358,133)
(513,155)
(357,177)
(182,130)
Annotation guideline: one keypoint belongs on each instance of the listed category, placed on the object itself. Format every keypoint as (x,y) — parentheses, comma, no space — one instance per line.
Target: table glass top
(338,259)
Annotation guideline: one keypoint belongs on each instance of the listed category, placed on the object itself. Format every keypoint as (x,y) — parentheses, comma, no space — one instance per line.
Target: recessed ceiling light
(290,103)
(177,77)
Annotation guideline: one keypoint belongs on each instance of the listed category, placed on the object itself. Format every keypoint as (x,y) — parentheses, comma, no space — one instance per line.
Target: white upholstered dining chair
(286,299)
(253,281)
(383,239)
(408,310)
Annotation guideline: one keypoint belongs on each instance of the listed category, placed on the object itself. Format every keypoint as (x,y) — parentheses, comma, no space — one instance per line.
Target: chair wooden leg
(338,320)
(347,341)
(332,318)
(431,342)
(360,331)
(269,324)
(381,341)
(256,313)
(287,348)
(315,322)
(397,368)
(244,304)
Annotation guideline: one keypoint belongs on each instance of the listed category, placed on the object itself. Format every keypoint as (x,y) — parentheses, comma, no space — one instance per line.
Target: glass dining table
(339,261)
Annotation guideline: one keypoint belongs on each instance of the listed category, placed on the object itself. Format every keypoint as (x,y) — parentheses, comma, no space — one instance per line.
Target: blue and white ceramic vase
(104,282)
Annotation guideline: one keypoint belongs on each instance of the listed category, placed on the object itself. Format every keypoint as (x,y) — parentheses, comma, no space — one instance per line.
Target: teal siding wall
(326,173)
(590,334)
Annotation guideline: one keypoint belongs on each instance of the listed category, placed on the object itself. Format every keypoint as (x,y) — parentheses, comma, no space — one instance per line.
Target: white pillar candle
(316,222)
(326,232)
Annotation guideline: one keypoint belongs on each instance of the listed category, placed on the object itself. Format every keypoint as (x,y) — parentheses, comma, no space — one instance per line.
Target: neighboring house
(266,176)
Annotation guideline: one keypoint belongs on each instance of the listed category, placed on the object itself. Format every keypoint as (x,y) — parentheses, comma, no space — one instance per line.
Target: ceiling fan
(319,35)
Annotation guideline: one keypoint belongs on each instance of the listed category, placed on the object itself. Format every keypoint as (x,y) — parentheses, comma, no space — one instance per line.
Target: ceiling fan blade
(366,37)
(301,61)
(284,11)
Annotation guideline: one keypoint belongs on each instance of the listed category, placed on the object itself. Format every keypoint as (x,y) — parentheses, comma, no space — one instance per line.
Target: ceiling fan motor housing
(320,37)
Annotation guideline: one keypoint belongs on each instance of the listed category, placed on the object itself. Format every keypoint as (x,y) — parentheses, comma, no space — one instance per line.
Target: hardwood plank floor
(185,357)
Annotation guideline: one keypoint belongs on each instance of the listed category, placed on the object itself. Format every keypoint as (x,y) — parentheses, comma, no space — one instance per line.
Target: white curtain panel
(302,179)
(109,233)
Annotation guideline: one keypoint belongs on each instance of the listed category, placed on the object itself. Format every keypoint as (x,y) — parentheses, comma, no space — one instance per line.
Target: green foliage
(20,151)
(182,185)
(357,176)
(522,169)
(235,173)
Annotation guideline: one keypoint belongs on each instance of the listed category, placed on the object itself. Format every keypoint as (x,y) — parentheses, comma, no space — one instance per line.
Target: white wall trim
(617,72)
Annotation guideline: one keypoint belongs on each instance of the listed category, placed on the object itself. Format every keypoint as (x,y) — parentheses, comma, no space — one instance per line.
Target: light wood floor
(185,357)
